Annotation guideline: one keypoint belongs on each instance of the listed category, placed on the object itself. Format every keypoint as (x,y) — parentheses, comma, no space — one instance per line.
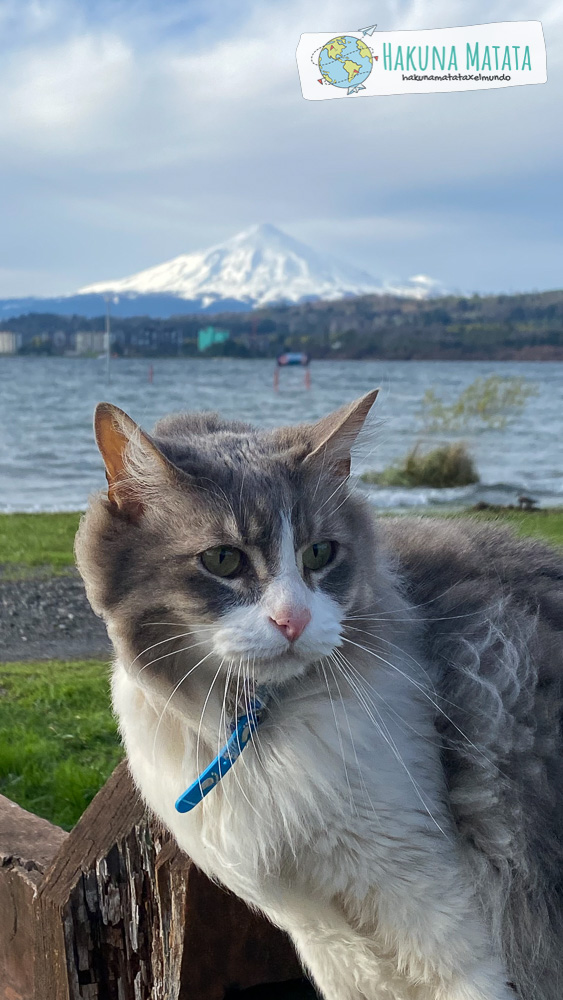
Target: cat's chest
(252,823)
(296,793)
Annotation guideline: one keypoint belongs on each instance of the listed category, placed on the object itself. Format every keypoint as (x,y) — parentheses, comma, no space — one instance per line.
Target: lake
(49,462)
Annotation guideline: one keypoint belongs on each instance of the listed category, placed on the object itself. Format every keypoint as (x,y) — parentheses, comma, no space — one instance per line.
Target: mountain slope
(261,265)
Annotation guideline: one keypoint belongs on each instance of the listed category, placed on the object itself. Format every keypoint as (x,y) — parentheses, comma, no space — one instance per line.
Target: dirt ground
(46,617)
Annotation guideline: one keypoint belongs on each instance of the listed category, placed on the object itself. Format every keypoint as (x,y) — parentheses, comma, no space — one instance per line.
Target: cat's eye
(222,560)
(319,554)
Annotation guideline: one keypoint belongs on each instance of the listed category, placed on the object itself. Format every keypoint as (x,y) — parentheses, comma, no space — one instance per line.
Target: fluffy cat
(399,811)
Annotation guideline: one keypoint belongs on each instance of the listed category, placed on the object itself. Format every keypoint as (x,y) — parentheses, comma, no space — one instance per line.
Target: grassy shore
(546,525)
(38,540)
(58,739)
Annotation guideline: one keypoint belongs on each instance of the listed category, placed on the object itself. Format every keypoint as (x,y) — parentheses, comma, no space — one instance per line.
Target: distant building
(59,340)
(90,342)
(210,335)
(10,343)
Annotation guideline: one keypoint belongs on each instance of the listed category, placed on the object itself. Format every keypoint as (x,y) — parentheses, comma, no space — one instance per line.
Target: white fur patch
(248,632)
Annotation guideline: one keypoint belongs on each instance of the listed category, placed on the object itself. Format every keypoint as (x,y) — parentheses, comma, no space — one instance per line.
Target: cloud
(52,101)
(172,125)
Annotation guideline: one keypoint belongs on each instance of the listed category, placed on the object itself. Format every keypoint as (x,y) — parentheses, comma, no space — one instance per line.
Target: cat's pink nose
(291,621)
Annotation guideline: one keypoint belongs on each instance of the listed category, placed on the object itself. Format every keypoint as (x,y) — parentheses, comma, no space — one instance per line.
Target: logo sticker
(371,63)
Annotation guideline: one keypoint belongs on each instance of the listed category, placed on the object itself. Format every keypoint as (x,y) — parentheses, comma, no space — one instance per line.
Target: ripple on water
(48,459)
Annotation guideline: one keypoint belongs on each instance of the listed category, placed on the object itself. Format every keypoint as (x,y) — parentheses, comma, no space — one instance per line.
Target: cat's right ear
(132,460)
(334,435)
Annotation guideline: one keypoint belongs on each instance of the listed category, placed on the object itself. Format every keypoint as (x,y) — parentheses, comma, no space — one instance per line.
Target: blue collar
(242,728)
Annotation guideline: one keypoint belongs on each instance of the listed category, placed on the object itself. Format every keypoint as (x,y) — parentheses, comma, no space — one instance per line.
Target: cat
(399,811)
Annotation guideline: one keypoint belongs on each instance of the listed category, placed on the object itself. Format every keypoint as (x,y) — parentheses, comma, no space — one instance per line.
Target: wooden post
(28,845)
(115,911)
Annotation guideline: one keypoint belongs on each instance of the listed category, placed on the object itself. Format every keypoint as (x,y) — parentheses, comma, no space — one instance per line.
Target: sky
(133,131)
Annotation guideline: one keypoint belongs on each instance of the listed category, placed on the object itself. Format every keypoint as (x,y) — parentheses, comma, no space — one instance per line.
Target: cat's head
(220,543)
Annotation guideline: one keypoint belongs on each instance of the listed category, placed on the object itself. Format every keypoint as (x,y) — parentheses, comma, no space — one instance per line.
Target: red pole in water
(307,379)
(276,379)
(151,372)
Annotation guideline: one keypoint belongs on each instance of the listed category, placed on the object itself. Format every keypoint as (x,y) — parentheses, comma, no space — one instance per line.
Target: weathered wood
(100,928)
(28,845)
(123,914)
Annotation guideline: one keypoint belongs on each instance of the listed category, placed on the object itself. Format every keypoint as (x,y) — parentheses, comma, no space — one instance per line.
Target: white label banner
(369,63)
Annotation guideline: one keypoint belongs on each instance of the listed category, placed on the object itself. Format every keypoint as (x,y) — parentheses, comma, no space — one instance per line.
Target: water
(48,459)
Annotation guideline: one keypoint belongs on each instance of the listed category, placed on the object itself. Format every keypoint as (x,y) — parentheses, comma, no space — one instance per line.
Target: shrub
(491,402)
(448,465)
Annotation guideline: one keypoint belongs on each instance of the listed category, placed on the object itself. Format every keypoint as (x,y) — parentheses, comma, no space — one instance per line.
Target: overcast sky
(132,131)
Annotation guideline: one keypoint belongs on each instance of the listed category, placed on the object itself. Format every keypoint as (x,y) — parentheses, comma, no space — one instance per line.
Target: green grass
(58,738)
(545,524)
(38,540)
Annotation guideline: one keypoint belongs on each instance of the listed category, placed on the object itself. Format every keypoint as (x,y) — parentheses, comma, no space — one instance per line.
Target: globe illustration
(345,61)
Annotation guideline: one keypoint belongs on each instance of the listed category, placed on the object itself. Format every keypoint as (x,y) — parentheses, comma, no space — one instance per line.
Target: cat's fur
(400,811)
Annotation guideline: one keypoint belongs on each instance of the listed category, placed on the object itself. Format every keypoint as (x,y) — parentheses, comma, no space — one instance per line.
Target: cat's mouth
(282,666)
(268,658)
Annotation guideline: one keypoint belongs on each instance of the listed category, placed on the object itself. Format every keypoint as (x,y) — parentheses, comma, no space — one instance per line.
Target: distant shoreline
(524,354)
(526,327)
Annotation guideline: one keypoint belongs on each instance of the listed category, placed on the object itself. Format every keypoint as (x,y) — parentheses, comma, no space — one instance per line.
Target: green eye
(222,560)
(319,554)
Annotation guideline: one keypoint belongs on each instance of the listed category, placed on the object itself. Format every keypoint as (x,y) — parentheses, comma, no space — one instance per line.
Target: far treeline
(496,327)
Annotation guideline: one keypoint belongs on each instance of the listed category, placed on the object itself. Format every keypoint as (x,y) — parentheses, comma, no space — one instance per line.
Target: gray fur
(491,614)
(486,620)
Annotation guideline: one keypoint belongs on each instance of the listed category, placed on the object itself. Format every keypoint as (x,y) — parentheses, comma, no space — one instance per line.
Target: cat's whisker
(222,734)
(342,664)
(170,638)
(180,682)
(247,695)
(404,725)
(202,713)
(403,652)
(332,663)
(425,694)
(321,470)
(414,607)
(387,737)
(233,770)
(340,486)
(412,619)
(193,625)
(348,496)
(173,652)
(423,604)
(338,733)
(255,736)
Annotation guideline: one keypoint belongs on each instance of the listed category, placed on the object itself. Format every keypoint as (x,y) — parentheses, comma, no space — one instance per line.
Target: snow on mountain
(420,286)
(258,266)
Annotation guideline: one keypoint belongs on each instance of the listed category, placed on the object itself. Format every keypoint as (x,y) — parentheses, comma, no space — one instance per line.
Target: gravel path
(46,617)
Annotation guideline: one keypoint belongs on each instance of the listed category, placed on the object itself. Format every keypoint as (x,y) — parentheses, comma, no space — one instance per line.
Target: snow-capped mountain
(259,266)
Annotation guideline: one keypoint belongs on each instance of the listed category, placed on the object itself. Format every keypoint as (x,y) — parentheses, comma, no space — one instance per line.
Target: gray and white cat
(399,812)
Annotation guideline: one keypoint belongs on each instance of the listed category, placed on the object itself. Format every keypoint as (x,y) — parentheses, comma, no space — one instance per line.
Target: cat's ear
(134,464)
(334,435)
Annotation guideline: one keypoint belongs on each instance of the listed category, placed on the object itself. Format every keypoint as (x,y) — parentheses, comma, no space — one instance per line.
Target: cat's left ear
(334,435)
